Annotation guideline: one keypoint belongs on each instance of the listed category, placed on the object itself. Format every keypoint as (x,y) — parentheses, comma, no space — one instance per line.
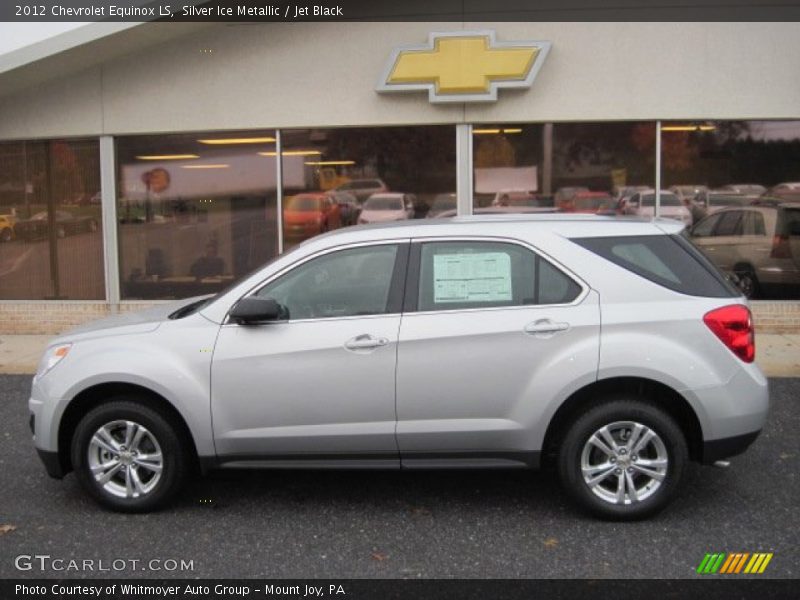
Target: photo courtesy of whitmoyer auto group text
(399,299)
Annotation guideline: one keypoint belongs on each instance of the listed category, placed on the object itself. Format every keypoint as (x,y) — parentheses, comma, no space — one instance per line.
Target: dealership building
(143,162)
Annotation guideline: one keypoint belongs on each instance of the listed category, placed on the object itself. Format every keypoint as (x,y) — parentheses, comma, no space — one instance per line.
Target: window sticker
(478,277)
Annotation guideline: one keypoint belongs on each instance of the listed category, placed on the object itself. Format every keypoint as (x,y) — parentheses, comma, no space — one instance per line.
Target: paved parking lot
(402,524)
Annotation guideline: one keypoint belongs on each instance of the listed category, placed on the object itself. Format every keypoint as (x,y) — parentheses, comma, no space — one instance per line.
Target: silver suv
(609,349)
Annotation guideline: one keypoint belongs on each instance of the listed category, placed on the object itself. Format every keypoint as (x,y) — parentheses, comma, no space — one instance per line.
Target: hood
(130,322)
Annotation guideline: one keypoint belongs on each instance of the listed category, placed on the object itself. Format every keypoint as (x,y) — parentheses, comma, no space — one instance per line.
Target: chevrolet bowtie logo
(463,66)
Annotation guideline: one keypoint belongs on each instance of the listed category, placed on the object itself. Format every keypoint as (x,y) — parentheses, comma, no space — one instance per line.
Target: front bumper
(52,463)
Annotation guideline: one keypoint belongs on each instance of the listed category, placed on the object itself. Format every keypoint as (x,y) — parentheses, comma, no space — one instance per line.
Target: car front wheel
(623,459)
(128,456)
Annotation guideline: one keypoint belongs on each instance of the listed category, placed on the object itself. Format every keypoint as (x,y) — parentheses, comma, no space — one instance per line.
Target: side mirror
(256,310)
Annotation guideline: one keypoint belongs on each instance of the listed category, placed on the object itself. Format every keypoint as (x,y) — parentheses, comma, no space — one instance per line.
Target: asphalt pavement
(365,524)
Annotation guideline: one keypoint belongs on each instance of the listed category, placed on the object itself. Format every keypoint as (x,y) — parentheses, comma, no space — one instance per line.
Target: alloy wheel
(624,462)
(125,459)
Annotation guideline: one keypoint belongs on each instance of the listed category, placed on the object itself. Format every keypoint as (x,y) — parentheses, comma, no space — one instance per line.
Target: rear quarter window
(667,260)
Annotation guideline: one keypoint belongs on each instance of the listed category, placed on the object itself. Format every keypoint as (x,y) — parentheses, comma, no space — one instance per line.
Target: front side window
(463,275)
(346,283)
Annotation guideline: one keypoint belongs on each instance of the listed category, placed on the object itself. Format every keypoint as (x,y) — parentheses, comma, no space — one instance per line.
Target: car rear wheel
(128,456)
(6,235)
(747,281)
(623,459)
(61,232)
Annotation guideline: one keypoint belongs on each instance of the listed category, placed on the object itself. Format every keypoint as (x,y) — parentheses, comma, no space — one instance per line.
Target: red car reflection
(309,214)
(595,203)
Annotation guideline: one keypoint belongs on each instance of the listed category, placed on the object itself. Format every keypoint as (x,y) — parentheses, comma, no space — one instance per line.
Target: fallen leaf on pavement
(6,528)
(379,557)
(551,542)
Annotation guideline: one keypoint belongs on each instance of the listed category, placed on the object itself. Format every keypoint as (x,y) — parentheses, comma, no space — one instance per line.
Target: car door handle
(545,326)
(365,342)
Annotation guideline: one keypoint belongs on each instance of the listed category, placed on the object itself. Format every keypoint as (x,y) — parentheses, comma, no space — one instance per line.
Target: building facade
(144,163)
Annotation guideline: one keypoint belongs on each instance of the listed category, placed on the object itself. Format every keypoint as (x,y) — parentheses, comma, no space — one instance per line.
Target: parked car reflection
(309,214)
(642,204)
(65,224)
(760,245)
(387,207)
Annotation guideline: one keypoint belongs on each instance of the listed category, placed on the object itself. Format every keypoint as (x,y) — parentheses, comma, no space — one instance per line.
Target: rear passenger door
(491,333)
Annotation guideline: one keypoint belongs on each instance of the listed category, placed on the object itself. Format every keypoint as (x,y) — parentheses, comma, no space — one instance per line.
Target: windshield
(383,203)
(304,204)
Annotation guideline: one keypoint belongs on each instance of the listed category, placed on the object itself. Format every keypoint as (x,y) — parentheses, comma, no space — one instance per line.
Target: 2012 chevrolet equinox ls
(609,348)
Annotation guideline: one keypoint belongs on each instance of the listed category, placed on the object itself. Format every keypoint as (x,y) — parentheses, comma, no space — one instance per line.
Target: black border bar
(711,587)
(287,11)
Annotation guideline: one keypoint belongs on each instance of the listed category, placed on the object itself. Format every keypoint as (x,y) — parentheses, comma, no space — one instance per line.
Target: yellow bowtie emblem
(463,66)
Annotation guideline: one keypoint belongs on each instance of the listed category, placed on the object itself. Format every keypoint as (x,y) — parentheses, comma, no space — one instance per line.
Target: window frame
(394,300)
(414,270)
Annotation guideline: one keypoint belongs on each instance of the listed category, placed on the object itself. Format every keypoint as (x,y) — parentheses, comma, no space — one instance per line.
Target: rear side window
(463,275)
(668,260)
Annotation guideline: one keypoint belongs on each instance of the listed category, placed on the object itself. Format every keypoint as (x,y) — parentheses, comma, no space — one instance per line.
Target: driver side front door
(318,386)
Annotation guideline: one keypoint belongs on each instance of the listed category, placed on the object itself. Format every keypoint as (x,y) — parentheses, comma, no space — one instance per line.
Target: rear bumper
(714,450)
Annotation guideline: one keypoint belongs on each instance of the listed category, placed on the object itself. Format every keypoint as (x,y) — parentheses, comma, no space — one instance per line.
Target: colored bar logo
(734,563)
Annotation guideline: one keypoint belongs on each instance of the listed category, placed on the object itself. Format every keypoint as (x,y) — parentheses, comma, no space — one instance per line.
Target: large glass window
(570,167)
(196,211)
(338,177)
(741,182)
(51,243)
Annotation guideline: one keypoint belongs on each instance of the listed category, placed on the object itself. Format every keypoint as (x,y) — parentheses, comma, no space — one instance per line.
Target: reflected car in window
(760,245)
(589,203)
(66,223)
(642,204)
(492,341)
(711,201)
(751,189)
(363,188)
(7,227)
(789,191)
(387,207)
(441,203)
(309,214)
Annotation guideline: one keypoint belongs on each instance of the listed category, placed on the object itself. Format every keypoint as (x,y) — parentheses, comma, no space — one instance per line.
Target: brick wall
(51,318)
(776,317)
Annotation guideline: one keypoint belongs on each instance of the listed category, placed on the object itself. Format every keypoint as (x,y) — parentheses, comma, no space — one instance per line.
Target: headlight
(52,356)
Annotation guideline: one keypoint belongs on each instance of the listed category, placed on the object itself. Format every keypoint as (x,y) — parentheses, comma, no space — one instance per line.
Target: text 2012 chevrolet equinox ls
(608,348)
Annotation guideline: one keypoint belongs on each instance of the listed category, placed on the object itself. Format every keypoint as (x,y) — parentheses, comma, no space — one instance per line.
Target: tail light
(733,325)
(781,247)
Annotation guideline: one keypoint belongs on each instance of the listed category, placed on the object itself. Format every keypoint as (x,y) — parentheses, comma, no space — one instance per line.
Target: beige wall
(317,74)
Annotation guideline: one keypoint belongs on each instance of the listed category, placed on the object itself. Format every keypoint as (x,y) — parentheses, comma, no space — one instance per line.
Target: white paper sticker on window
(478,277)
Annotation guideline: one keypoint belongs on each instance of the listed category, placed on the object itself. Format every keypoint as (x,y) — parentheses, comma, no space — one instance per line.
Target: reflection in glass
(196,211)
(741,182)
(367,175)
(569,167)
(51,243)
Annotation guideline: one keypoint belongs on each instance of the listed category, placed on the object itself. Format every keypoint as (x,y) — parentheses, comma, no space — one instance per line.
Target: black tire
(174,450)
(747,281)
(61,232)
(614,411)
(6,235)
